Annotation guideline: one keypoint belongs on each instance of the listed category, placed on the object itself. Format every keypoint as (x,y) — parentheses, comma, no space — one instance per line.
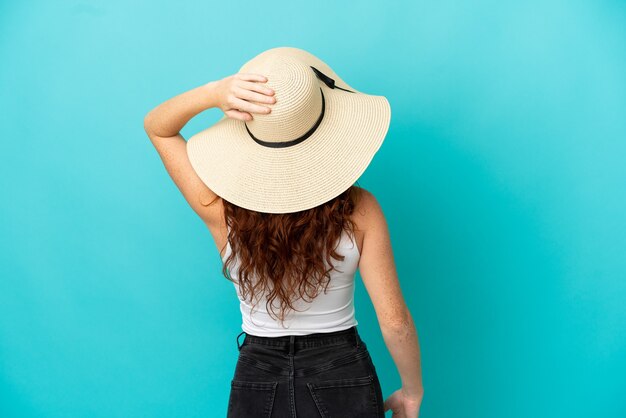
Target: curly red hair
(285,254)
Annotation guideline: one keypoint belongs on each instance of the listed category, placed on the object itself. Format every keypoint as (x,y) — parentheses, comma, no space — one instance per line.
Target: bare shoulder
(366,207)
(377,265)
(368,213)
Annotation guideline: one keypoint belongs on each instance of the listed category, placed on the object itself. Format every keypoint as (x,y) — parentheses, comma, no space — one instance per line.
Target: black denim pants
(305,376)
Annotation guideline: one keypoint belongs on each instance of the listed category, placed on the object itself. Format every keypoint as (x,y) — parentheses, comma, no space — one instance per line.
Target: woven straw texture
(305,175)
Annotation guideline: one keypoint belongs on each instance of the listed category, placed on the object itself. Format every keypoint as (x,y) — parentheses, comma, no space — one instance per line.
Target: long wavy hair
(287,255)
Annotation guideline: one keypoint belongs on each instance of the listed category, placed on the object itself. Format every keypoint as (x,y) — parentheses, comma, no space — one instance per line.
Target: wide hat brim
(299,177)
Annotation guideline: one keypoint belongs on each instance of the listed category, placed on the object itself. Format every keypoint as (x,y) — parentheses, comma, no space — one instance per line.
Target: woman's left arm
(234,95)
(167,119)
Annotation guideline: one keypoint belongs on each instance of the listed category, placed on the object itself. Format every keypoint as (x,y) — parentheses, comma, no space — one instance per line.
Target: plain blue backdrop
(502,178)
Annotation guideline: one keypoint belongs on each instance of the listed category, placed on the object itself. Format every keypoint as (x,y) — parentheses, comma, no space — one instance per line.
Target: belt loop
(356,337)
(292,339)
(244,340)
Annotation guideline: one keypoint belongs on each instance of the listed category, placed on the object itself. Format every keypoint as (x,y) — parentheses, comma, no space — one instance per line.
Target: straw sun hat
(315,143)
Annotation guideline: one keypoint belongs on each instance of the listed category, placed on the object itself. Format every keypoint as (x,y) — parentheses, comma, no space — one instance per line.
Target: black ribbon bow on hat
(272,144)
(327,80)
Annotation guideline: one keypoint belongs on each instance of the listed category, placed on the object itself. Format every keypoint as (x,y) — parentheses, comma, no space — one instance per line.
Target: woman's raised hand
(239,95)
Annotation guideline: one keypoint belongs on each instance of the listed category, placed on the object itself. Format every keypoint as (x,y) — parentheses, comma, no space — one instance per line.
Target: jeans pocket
(251,399)
(346,398)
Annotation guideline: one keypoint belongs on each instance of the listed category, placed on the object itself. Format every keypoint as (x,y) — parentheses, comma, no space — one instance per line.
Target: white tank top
(327,312)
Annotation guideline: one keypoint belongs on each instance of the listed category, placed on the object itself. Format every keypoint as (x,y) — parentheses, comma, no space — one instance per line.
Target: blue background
(502,178)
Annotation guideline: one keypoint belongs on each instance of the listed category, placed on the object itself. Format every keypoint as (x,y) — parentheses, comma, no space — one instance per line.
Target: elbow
(147,123)
(398,322)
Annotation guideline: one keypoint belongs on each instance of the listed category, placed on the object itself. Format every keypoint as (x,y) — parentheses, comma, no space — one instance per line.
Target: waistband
(295,342)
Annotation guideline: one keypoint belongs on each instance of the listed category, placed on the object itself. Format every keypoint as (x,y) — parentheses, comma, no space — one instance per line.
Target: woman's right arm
(378,272)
